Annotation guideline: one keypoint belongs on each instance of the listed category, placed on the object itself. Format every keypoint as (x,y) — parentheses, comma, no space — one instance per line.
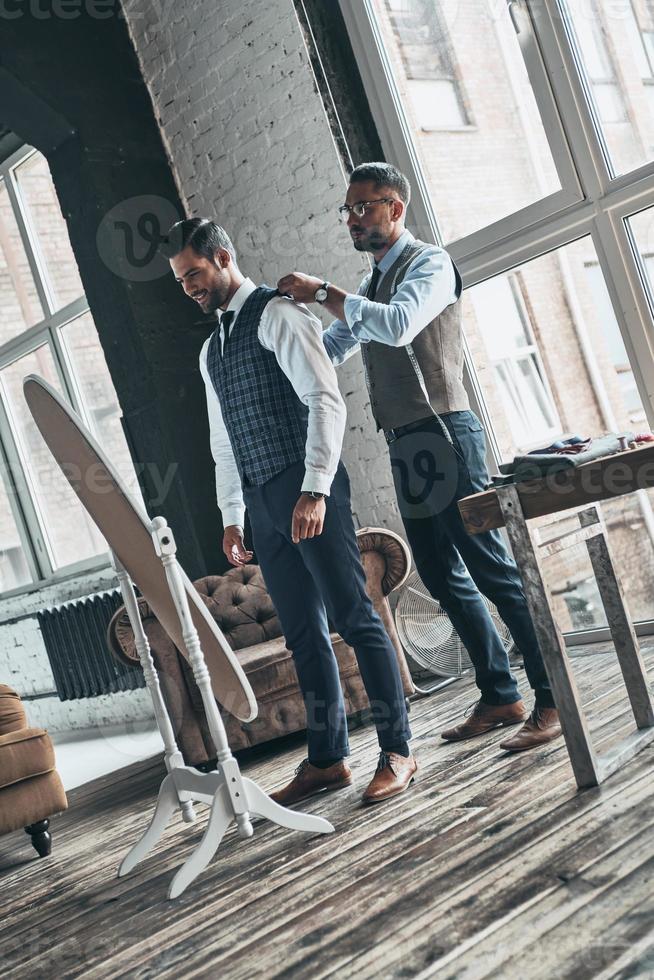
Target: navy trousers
(430,477)
(318,578)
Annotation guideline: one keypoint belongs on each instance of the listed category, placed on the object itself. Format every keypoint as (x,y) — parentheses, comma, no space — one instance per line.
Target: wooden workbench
(601,479)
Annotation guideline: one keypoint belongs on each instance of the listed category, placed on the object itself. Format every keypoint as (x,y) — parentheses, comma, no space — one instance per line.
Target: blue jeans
(308,582)
(430,477)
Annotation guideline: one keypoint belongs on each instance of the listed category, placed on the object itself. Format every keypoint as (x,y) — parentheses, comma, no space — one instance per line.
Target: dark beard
(215,301)
(372,242)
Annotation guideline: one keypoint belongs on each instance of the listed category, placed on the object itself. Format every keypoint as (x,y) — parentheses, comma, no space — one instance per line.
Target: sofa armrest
(120,635)
(394,556)
(12,712)
(386,560)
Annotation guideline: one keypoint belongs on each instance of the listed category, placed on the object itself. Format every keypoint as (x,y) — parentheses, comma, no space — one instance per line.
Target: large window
(544,196)
(613,46)
(46,329)
(461,77)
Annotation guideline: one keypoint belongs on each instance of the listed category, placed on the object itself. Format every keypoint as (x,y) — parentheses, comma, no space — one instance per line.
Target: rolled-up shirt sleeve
(429,286)
(294,335)
(228,481)
(339,341)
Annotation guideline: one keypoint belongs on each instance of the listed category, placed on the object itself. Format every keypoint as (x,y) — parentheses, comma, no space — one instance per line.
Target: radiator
(75,638)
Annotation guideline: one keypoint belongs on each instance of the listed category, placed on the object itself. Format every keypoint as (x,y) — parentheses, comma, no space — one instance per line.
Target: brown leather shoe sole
(491,728)
(331,788)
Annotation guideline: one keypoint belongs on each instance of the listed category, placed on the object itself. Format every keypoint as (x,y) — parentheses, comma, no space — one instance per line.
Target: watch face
(321,294)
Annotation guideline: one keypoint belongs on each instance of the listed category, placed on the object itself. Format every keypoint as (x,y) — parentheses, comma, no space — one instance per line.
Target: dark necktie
(372,285)
(225,324)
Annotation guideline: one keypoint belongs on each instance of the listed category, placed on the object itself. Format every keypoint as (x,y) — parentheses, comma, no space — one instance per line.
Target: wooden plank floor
(490,866)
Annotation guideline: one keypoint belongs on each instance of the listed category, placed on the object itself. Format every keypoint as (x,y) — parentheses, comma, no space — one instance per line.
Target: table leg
(573,723)
(619,620)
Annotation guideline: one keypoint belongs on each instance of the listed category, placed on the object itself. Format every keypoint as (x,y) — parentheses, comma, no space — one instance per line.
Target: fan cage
(428,636)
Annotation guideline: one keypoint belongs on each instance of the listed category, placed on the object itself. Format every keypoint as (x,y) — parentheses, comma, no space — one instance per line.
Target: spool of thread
(622,440)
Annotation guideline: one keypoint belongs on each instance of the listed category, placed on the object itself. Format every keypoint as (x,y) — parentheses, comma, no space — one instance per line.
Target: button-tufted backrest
(239,602)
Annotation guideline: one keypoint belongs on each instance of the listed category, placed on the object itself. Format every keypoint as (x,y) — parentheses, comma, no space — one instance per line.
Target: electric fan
(429,637)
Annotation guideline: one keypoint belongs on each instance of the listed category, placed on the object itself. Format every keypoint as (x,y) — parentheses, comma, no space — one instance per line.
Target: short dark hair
(203,235)
(383,175)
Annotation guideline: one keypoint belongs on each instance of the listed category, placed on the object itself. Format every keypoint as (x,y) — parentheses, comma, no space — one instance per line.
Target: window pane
(613,43)
(609,102)
(49,227)
(19,302)
(83,346)
(70,534)
(641,226)
(465,77)
(526,400)
(633,406)
(14,570)
(531,332)
(497,311)
(435,103)
(648,43)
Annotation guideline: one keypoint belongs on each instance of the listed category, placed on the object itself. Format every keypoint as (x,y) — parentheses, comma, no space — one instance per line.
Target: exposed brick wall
(250,144)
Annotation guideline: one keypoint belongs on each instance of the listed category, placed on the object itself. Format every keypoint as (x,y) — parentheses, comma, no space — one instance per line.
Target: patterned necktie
(372,285)
(225,324)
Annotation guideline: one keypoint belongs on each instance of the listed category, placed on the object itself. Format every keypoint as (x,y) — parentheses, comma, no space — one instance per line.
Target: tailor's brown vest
(411,382)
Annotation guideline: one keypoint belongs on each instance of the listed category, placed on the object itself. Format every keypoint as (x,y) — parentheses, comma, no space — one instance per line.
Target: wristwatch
(315,495)
(320,294)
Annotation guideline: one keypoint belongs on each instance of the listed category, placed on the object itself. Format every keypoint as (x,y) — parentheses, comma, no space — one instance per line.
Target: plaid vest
(265,420)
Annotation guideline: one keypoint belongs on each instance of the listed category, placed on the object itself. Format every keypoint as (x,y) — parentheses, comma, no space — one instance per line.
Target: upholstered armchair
(240,604)
(30,788)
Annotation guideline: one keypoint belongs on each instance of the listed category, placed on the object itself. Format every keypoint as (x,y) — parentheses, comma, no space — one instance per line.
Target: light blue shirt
(428,287)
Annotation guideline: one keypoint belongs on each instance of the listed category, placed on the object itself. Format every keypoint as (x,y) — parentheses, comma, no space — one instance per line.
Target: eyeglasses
(360,207)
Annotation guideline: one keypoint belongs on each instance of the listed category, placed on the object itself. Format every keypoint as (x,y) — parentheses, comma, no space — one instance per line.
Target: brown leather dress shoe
(309,780)
(394,774)
(486,717)
(541,727)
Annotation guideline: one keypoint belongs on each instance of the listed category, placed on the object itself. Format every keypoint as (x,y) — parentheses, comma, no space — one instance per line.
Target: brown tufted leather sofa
(240,604)
(30,787)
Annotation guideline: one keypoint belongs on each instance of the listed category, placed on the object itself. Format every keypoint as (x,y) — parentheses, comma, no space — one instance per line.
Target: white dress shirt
(294,336)
(428,287)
